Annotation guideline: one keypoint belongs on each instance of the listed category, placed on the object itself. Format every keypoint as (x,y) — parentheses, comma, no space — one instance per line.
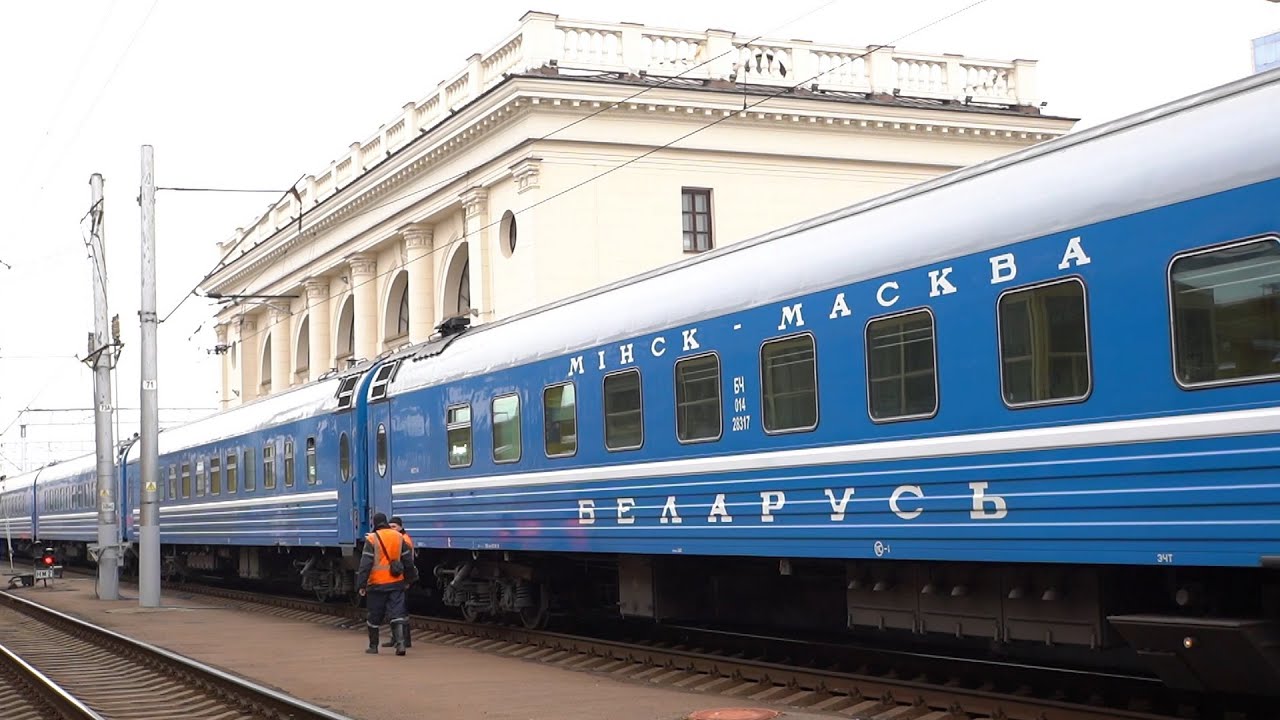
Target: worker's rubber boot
(408,640)
(373,641)
(397,636)
(391,639)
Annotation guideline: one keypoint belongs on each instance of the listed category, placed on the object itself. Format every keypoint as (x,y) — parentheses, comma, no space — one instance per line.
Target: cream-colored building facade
(573,154)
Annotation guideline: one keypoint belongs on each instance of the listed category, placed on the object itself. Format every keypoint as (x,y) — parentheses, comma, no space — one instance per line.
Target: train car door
(378,440)
(347,435)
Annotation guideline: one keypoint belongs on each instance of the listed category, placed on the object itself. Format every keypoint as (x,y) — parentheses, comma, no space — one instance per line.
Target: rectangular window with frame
(695,217)
(698,412)
(458,435)
(1044,344)
(200,479)
(560,420)
(250,471)
(173,482)
(1226,313)
(269,466)
(288,462)
(789,384)
(506,428)
(902,379)
(215,475)
(186,480)
(232,473)
(623,411)
(312,478)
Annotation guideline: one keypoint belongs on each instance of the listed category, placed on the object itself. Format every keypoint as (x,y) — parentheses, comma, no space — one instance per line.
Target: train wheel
(535,618)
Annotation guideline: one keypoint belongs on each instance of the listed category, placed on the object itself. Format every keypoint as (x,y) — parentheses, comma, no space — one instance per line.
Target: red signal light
(48,560)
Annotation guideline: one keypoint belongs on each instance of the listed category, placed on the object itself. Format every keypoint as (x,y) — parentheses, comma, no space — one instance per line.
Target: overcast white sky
(255,93)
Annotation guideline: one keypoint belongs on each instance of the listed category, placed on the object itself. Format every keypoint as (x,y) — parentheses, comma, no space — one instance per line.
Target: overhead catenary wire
(220,263)
(728,114)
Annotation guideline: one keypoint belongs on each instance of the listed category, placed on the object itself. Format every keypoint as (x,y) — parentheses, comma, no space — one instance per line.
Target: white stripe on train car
(1123,432)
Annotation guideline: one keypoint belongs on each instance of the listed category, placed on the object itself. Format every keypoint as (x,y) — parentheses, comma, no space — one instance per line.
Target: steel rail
(253,699)
(45,690)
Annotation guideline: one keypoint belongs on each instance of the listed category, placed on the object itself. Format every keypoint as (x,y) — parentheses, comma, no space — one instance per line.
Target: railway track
(758,671)
(72,669)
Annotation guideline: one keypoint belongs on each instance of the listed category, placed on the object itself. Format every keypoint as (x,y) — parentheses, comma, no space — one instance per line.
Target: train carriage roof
(1215,140)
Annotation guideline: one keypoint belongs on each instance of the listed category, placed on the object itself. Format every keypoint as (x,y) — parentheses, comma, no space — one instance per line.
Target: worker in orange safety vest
(398,525)
(386,569)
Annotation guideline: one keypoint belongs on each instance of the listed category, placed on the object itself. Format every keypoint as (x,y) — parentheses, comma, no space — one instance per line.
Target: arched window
(265,377)
(396,315)
(346,335)
(464,288)
(402,320)
(456,296)
(302,358)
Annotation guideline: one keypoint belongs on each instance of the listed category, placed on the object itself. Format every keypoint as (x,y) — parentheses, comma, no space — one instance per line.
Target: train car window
(269,466)
(215,475)
(173,482)
(1225,309)
(311,461)
(1044,344)
(232,473)
(344,457)
(381,452)
(288,463)
(623,411)
(789,384)
(560,420)
(902,367)
(250,471)
(506,428)
(698,415)
(200,478)
(458,435)
(186,479)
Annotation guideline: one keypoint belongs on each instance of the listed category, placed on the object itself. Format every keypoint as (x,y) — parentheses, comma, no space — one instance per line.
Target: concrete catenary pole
(108,529)
(149,528)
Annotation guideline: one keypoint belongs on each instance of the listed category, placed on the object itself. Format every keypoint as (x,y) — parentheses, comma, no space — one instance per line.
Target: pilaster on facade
(319,358)
(364,289)
(247,339)
(419,241)
(281,348)
(224,365)
(475,214)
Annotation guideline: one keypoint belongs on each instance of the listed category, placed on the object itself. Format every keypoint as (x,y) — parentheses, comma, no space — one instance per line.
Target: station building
(573,154)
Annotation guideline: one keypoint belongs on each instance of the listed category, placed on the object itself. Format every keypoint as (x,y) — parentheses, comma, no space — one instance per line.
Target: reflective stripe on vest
(381,572)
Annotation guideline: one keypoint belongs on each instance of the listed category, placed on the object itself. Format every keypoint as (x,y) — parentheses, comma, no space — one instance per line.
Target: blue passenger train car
(1032,402)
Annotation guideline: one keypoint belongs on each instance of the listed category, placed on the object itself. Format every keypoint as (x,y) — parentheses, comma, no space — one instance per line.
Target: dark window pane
(458,432)
(788,376)
(698,398)
(1044,351)
(506,428)
(381,452)
(1226,313)
(560,415)
(901,366)
(623,413)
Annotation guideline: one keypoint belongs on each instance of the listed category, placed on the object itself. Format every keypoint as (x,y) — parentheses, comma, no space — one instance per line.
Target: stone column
(225,375)
(281,347)
(418,240)
(363,267)
(475,213)
(247,329)
(318,323)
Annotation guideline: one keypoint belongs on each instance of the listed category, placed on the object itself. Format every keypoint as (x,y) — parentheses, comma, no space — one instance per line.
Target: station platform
(327,665)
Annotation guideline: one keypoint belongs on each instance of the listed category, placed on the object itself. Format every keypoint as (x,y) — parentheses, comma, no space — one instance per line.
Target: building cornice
(376,187)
